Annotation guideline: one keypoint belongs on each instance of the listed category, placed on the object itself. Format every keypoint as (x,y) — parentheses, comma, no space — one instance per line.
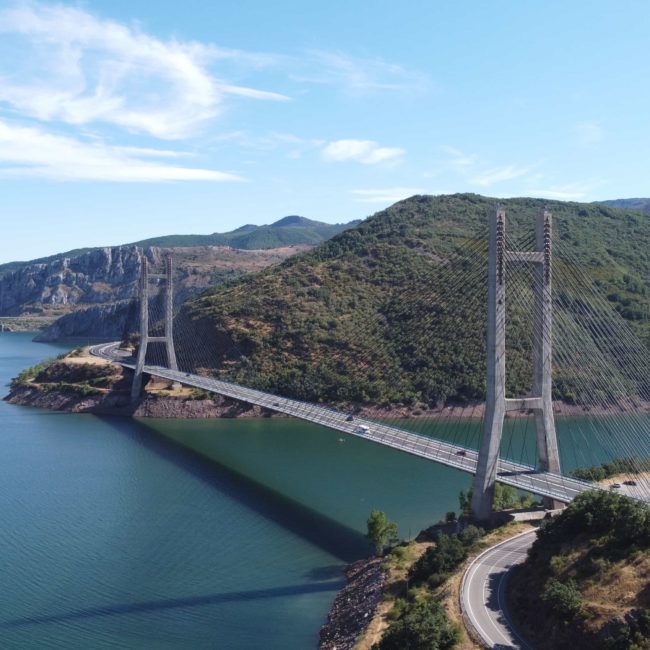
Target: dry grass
(83,356)
(622,587)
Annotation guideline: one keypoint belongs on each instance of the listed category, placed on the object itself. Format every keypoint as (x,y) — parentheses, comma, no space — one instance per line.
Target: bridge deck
(520,476)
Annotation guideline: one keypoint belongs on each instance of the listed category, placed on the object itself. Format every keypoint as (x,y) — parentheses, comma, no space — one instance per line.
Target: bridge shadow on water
(335,538)
(173,603)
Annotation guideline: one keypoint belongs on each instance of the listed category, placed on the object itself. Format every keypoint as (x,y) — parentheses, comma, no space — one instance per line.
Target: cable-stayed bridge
(577,346)
(546,484)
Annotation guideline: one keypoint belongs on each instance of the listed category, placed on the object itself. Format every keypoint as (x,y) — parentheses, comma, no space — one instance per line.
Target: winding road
(483,597)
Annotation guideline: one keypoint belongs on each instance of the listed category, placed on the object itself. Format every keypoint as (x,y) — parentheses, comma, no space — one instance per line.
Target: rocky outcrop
(119,403)
(102,321)
(99,276)
(354,606)
(93,292)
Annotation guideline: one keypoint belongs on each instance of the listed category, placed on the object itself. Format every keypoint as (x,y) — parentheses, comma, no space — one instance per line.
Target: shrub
(563,599)
(421,626)
(439,560)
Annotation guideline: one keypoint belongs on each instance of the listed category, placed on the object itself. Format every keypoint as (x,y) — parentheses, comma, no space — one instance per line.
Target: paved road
(521,476)
(483,592)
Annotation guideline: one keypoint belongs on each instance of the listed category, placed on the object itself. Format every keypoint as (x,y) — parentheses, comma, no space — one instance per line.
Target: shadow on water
(174,603)
(324,532)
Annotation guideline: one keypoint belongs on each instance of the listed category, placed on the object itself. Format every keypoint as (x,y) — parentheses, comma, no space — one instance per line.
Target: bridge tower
(145,338)
(540,399)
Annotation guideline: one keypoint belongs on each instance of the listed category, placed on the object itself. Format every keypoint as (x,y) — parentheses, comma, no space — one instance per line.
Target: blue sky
(123,120)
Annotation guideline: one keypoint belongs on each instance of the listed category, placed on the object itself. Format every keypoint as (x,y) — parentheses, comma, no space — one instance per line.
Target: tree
(381,531)
(563,599)
(465,502)
(505,497)
(422,626)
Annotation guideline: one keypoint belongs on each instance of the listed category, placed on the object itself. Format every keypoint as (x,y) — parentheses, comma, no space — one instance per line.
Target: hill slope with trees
(585,582)
(371,316)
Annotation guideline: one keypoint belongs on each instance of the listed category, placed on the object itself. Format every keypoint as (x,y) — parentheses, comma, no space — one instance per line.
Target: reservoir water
(137,534)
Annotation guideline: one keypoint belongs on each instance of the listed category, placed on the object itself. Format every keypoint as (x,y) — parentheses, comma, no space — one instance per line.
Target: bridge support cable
(608,389)
(583,361)
(619,366)
(540,400)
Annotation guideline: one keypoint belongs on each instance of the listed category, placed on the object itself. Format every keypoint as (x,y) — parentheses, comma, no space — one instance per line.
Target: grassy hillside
(585,583)
(365,318)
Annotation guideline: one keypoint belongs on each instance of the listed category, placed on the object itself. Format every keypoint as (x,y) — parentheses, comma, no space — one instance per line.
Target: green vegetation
(616,467)
(364,318)
(83,379)
(440,560)
(584,583)
(421,626)
(506,497)
(418,617)
(642,205)
(381,531)
(285,232)
(29,374)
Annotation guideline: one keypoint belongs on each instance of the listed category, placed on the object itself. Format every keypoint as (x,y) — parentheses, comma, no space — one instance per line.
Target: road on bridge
(483,592)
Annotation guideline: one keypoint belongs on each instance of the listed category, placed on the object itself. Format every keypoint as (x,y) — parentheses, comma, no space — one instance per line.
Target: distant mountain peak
(244,228)
(293,220)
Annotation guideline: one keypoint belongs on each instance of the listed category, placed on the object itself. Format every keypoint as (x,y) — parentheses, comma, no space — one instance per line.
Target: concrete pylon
(540,400)
(495,408)
(145,339)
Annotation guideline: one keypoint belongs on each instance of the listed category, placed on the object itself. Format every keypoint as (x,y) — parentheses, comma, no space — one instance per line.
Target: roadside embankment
(417,584)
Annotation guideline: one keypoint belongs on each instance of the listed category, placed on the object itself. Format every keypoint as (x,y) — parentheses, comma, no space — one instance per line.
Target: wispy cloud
(356,74)
(500,174)
(459,159)
(79,69)
(589,132)
(385,194)
(570,192)
(33,152)
(367,152)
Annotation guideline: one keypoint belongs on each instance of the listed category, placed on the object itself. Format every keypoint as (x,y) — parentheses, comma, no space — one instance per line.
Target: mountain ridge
(287,231)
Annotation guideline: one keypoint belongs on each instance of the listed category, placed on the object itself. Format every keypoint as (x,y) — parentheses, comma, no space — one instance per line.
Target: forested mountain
(371,316)
(285,232)
(643,205)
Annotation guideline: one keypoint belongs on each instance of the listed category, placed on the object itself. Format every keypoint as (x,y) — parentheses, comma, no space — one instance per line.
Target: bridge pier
(145,339)
(540,400)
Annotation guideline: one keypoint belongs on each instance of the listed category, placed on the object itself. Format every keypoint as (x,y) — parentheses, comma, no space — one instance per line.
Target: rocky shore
(119,403)
(354,606)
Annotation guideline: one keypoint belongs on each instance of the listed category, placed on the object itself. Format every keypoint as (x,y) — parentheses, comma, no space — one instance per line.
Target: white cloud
(459,159)
(589,132)
(367,152)
(76,68)
(33,152)
(500,174)
(356,74)
(386,194)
